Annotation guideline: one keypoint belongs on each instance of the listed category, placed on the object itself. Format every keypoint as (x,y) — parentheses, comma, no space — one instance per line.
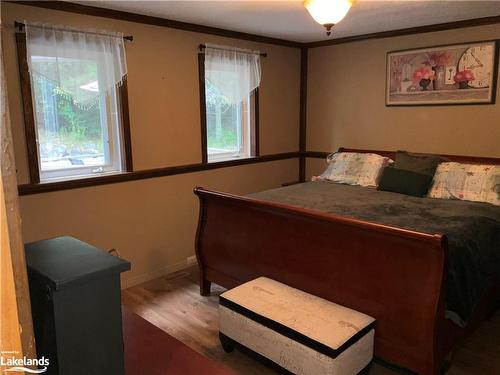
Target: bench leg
(226,342)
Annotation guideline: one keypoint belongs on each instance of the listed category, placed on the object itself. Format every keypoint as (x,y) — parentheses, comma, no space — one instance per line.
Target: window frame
(30,125)
(254,120)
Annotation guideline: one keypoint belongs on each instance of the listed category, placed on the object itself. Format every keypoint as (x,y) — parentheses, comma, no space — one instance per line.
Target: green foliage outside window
(65,123)
(221,120)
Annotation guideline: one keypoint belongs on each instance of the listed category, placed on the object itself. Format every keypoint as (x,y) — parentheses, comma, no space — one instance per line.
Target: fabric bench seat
(301,333)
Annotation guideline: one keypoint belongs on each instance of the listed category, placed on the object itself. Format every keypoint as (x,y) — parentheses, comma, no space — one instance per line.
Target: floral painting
(455,74)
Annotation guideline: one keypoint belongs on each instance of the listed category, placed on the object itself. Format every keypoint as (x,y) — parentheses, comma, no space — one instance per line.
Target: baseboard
(128,282)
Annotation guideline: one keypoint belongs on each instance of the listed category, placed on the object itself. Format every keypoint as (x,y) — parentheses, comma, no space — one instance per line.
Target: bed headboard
(456,158)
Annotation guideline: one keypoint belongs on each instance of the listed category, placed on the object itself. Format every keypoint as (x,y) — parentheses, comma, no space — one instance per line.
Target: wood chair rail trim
(28,189)
(392,155)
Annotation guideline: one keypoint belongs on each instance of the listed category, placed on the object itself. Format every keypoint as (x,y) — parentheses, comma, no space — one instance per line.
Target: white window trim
(113,125)
(243,141)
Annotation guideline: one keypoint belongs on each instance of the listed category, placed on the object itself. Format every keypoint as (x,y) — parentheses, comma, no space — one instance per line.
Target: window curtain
(235,72)
(80,64)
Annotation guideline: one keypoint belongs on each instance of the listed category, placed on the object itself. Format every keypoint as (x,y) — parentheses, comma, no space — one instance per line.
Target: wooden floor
(173,304)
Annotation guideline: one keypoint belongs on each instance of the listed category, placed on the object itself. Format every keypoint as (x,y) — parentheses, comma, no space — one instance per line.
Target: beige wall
(152,222)
(346,103)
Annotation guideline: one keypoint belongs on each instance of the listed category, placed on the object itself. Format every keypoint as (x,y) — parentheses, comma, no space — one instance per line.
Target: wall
(346,103)
(152,222)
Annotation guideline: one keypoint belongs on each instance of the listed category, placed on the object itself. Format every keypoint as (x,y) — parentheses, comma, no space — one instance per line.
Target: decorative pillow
(354,168)
(404,182)
(470,182)
(421,163)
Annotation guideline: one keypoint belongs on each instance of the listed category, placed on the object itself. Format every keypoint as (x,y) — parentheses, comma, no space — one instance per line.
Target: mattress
(472,229)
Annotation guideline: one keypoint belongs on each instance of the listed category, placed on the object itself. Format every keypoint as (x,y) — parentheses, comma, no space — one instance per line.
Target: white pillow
(470,182)
(354,168)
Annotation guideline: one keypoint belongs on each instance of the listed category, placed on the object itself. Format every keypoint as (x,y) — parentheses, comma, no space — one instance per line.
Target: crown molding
(186,26)
(156,21)
(409,31)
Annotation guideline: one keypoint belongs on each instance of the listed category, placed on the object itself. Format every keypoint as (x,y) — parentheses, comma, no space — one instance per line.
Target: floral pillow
(470,182)
(354,168)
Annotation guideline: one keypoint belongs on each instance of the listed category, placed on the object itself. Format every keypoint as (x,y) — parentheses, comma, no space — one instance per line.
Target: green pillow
(420,163)
(404,182)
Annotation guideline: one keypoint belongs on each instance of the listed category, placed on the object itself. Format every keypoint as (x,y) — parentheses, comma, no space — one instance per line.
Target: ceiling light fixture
(328,12)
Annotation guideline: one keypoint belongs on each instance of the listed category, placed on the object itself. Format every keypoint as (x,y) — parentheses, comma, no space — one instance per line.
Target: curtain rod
(20,26)
(202,47)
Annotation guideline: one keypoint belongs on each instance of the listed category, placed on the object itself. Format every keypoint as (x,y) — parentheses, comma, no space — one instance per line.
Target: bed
(426,269)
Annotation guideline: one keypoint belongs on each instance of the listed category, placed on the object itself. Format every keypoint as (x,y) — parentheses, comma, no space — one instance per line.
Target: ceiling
(288,19)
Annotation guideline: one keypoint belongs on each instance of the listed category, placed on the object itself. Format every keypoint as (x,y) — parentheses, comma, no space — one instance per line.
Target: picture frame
(453,74)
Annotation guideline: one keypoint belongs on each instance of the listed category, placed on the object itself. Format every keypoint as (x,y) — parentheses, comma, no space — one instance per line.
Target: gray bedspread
(473,230)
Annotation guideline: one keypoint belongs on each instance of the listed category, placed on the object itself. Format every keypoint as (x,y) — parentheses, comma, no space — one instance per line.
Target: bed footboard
(392,274)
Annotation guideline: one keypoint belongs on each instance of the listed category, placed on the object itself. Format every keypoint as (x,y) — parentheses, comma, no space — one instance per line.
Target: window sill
(80,177)
(217,159)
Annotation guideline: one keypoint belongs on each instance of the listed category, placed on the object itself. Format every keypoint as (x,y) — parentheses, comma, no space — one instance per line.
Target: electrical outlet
(191,261)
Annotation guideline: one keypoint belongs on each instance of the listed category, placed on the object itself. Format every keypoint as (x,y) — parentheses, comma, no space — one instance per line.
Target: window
(229,103)
(230,127)
(74,93)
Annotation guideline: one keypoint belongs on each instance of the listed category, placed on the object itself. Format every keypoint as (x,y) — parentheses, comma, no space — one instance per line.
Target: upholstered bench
(301,333)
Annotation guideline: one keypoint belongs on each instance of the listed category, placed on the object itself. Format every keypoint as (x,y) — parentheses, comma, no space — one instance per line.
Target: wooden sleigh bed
(393,274)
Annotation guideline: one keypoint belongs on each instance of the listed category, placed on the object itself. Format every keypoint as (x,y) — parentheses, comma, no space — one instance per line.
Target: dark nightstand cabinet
(76,306)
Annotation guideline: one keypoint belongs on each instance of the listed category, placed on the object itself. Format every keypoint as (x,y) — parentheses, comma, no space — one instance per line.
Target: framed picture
(443,75)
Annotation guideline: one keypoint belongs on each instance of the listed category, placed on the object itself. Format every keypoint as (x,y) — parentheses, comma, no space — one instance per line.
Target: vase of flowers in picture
(423,77)
(438,61)
(463,78)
